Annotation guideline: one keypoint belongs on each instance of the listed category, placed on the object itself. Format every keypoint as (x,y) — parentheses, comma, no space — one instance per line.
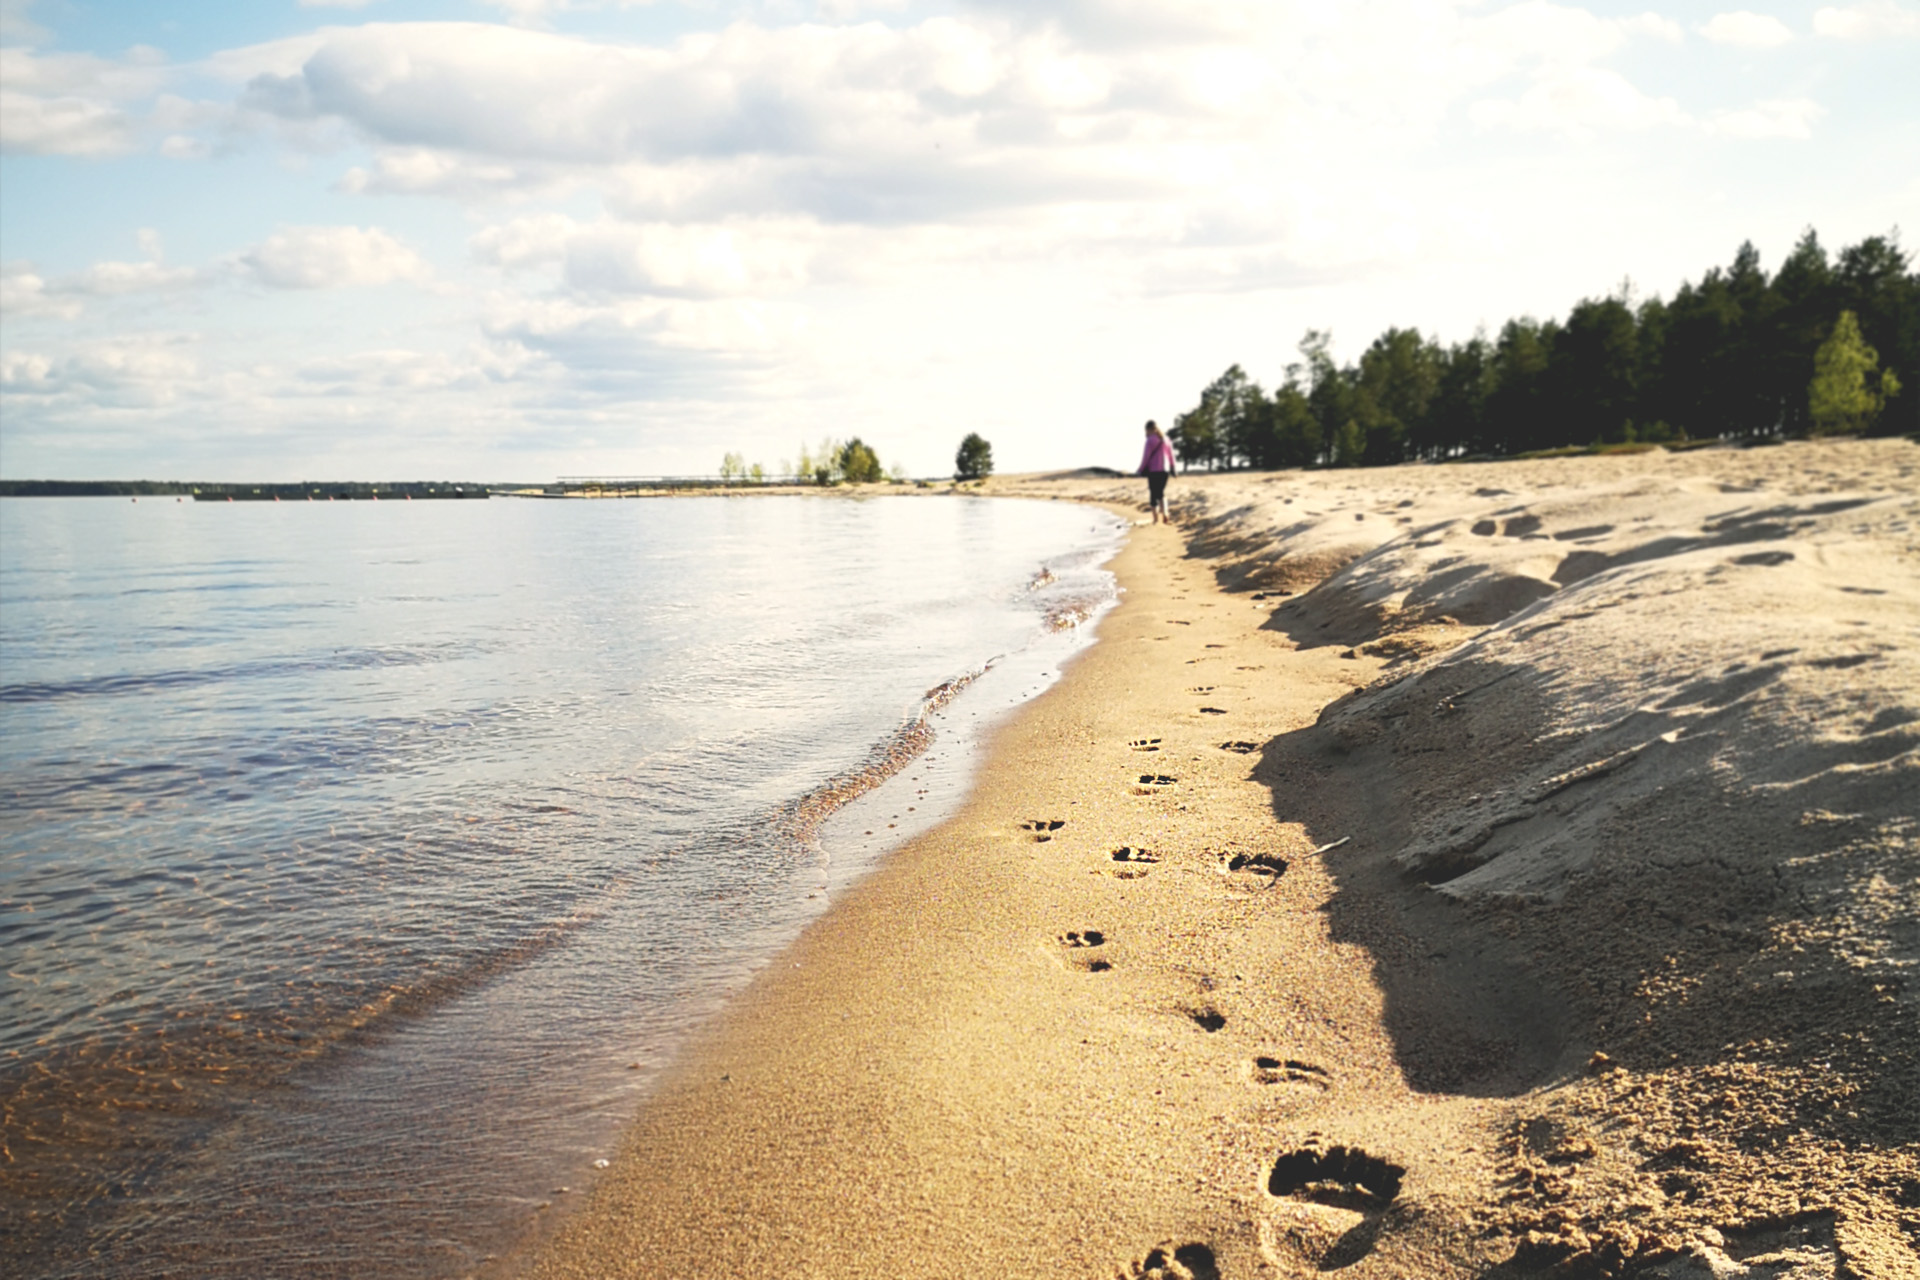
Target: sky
(526,239)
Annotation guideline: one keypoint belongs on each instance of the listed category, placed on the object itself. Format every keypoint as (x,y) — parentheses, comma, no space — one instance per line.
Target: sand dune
(1656,720)
(1482,870)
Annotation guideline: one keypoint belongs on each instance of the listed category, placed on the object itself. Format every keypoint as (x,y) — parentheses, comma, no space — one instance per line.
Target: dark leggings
(1156,487)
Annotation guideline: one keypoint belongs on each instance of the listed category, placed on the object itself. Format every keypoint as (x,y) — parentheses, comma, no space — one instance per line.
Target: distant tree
(1731,354)
(1228,426)
(732,467)
(1240,416)
(1455,421)
(1844,395)
(1195,434)
(1396,380)
(1515,406)
(974,460)
(1876,281)
(1349,444)
(1592,370)
(857,463)
(757,473)
(1293,432)
(897,473)
(1795,329)
(1329,388)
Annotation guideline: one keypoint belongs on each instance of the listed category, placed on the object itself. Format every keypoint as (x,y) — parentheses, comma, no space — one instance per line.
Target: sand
(1482,870)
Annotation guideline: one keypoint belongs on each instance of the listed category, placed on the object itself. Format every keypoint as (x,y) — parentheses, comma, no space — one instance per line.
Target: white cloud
(607,257)
(16,27)
(1578,102)
(331,258)
(534,241)
(420,171)
(114,279)
(24,292)
(61,126)
(1774,118)
(132,373)
(846,10)
(1747,30)
(693,261)
(1875,20)
(73,104)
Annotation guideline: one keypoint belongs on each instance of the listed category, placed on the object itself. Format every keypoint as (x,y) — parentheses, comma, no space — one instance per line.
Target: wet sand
(1496,870)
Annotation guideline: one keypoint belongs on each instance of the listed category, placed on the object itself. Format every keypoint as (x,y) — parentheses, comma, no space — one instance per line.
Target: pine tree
(1844,395)
(1349,444)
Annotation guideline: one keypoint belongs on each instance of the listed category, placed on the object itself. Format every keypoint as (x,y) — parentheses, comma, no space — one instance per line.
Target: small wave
(801,820)
(162,681)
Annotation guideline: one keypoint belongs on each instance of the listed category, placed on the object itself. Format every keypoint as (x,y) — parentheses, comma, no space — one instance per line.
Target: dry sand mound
(1650,729)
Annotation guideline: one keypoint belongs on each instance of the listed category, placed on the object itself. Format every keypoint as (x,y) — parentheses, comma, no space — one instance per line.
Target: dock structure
(339,491)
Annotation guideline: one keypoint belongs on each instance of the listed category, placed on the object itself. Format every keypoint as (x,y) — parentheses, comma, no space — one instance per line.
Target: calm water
(360,863)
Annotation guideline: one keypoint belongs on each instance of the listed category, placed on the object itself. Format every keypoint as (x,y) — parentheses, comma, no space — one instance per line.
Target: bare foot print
(1268,1070)
(1212,711)
(1145,744)
(1346,1177)
(1208,1019)
(1043,828)
(1081,940)
(1175,1262)
(1258,864)
(1240,748)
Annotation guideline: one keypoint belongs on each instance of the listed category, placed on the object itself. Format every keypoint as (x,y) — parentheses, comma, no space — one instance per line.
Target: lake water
(361,864)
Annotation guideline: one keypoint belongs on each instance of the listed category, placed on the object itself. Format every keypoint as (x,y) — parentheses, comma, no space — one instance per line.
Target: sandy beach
(1502,869)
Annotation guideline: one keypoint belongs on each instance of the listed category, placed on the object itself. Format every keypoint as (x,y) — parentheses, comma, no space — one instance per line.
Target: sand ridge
(1498,870)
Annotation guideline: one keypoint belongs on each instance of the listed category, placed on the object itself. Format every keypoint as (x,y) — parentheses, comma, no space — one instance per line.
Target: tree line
(1821,346)
(831,462)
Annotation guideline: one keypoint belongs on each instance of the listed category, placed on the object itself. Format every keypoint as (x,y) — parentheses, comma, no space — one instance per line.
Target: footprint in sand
(1346,1177)
(1145,744)
(1172,1261)
(1258,864)
(1207,1018)
(1081,940)
(1213,711)
(1042,829)
(1151,783)
(1270,1070)
(1201,688)
(1134,862)
(1240,748)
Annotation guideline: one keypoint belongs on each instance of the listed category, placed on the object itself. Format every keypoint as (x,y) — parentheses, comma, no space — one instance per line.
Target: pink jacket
(1158,457)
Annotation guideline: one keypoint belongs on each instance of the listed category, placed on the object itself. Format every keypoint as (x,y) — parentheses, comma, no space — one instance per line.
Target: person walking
(1156,464)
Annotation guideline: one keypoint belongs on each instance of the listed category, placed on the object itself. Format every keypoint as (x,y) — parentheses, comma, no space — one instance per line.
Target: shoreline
(1239,961)
(951,1013)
